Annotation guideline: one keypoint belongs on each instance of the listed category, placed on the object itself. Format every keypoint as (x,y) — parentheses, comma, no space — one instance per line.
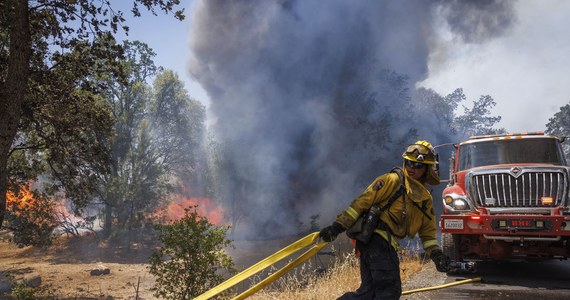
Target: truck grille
(522,191)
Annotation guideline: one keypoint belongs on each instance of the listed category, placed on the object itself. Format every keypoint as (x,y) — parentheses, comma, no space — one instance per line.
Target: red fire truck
(507,198)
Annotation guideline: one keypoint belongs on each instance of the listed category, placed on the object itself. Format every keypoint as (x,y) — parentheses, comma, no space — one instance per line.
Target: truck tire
(450,246)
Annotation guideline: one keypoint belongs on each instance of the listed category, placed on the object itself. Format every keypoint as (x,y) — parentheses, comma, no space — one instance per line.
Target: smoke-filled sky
(307,98)
(525,70)
(287,82)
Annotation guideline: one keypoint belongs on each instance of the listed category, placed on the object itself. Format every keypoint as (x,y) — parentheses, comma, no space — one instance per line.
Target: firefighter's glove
(441,261)
(329,233)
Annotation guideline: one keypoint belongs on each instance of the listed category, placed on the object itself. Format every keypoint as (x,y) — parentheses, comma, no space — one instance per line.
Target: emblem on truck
(516,172)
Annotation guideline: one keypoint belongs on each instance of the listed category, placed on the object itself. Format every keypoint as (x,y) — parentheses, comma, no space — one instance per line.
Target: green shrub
(192,258)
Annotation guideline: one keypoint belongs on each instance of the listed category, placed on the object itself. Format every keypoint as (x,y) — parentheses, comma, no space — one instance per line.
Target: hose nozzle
(469,266)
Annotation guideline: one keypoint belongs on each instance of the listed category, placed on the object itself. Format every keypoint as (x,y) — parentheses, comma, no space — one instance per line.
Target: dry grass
(344,276)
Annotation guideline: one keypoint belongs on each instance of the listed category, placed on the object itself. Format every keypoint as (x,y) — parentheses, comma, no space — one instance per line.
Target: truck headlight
(460,204)
(456,203)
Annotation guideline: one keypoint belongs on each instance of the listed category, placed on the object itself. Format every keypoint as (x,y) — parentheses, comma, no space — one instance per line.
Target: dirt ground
(65,267)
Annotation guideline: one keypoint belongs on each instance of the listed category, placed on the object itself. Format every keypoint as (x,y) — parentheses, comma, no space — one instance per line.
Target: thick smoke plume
(312,99)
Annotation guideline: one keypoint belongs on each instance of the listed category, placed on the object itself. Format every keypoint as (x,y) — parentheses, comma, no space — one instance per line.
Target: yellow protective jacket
(414,222)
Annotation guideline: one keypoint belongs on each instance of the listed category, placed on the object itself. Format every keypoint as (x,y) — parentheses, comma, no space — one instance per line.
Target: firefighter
(409,214)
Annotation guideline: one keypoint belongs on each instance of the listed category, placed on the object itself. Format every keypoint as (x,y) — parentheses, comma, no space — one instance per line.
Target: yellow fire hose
(279,255)
(293,264)
(431,288)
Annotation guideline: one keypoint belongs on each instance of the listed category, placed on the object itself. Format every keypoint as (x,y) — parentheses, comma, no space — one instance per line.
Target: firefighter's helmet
(423,152)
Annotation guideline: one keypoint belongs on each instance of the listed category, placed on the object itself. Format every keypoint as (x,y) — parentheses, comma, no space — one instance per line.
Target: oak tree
(49,49)
(559,125)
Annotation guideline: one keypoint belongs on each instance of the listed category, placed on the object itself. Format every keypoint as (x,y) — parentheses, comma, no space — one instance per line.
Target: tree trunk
(108,223)
(13,90)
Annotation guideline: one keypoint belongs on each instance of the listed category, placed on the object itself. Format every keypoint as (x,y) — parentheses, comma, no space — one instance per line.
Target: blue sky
(526,71)
(169,38)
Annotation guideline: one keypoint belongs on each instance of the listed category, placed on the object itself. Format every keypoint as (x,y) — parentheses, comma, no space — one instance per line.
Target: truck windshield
(514,151)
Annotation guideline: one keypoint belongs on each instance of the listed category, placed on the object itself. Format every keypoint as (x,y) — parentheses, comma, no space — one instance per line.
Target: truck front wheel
(450,246)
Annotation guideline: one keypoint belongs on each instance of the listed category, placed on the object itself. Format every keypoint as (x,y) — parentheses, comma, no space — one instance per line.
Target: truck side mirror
(436,166)
(451,169)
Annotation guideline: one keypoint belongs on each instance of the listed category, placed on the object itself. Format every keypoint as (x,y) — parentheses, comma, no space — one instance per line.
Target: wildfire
(23,200)
(206,207)
(24,204)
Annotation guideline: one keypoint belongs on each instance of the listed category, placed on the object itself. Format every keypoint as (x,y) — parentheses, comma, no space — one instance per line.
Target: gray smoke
(311,99)
(477,20)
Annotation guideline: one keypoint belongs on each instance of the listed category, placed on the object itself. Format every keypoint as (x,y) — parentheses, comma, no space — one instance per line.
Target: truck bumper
(508,227)
(501,237)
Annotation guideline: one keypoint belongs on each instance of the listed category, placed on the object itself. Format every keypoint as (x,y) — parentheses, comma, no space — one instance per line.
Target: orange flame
(206,207)
(25,204)
(22,201)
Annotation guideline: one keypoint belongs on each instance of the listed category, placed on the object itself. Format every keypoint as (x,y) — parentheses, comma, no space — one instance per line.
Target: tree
(46,43)
(192,259)
(477,120)
(178,130)
(157,142)
(439,111)
(224,179)
(120,190)
(559,125)
(62,130)
(444,123)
